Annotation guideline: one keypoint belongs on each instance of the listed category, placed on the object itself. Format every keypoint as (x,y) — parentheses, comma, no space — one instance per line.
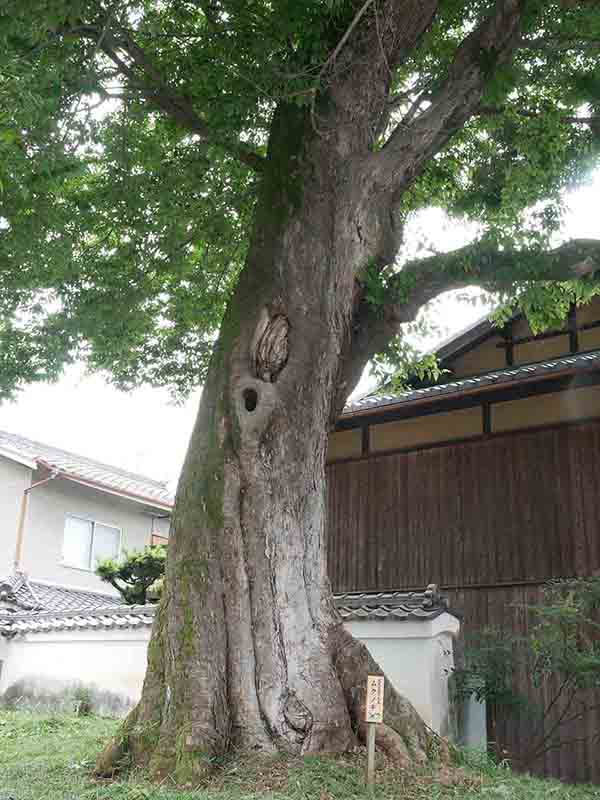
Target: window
(87,542)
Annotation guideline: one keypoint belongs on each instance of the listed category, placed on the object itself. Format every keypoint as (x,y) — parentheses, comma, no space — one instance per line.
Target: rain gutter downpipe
(23,513)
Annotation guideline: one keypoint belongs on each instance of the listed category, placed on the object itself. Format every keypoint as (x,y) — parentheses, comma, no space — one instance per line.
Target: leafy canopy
(129,133)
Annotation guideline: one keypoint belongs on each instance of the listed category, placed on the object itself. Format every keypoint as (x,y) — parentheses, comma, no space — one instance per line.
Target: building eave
(525,375)
(17,457)
(101,487)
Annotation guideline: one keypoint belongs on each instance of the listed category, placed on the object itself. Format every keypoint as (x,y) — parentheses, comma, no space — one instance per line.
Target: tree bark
(247,649)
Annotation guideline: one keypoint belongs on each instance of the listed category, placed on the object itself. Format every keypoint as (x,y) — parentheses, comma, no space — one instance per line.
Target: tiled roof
(418,606)
(27,595)
(86,470)
(102,617)
(425,605)
(510,375)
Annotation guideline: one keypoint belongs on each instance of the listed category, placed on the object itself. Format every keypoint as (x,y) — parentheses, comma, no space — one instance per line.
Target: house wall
(481,359)
(490,521)
(44,529)
(344,444)
(414,655)
(465,423)
(442,427)
(489,355)
(522,506)
(546,409)
(489,501)
(14,479)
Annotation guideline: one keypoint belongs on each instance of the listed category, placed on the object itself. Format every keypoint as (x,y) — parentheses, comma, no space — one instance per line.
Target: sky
(145,431)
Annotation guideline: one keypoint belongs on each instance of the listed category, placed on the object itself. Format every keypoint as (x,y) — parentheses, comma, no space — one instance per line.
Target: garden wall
(39,665)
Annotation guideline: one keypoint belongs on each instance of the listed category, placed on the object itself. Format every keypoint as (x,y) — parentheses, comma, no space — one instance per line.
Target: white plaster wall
(113,660)
(414,656)
(14,479)
(417,657)
(45,524)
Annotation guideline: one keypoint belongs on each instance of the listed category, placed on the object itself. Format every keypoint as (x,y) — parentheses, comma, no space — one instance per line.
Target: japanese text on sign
(374,707)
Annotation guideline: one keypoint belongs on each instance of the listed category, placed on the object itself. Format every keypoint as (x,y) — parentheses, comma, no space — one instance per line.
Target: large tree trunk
(247,649)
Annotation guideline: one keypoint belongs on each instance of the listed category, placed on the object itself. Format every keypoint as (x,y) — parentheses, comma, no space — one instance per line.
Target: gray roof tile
(589,360)
(86,469)
(420,606)
(425,605)
(28,595)
(117,616)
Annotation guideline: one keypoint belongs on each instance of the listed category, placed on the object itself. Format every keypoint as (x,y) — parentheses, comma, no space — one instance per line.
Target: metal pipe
(22,514)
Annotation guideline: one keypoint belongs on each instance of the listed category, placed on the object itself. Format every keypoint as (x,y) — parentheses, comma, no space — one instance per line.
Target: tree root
(403,736)
(114,755)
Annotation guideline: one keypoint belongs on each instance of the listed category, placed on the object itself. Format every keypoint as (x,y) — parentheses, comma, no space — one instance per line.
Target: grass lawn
(49,757)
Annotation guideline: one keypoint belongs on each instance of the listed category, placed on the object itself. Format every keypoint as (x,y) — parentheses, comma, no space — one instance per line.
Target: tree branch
(568,119)
(358,74)
(332,58)
(409,147)
(419,282)
(150,83)
(483,264)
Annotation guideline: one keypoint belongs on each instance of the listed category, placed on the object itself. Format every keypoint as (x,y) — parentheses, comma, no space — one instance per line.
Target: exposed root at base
(251,773)
(403,737)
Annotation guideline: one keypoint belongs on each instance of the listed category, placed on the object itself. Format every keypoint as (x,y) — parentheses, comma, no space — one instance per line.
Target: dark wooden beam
(486,416)
(508,343)
(572,325)
(366,440)
(570,330)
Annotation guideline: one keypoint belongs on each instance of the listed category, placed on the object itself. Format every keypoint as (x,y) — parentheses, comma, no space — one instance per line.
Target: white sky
(145,432)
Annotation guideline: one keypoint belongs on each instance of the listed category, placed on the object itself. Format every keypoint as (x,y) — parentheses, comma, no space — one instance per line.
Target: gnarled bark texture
(247,649)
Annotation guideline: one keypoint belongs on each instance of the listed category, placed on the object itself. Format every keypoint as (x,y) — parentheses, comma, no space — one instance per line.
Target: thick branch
(372,330)
(479,264)
(483,264)
(359,71)
(409,147)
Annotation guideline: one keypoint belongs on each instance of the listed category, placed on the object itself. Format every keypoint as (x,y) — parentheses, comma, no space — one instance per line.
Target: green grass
(50,757)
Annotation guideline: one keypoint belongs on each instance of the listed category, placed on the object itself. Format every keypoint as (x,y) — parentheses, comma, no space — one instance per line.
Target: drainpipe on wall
(22,514)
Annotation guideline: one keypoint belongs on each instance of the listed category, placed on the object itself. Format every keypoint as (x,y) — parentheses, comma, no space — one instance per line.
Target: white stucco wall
(45,524)
(14,479)
(418,658)
(414,655)
(113,660)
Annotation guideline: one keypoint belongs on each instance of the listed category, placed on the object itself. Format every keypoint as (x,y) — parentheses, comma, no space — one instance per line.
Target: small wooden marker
(373,715)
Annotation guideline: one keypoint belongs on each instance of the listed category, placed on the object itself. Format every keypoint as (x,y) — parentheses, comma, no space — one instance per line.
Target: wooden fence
(490,521)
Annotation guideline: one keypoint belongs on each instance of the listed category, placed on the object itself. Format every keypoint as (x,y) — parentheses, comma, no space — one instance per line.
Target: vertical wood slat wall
(494,518)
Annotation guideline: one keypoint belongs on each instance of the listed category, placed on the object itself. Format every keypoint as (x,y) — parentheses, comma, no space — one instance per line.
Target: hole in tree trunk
(250,399)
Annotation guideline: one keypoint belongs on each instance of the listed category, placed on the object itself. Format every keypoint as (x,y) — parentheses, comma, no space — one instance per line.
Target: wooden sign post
(373,715)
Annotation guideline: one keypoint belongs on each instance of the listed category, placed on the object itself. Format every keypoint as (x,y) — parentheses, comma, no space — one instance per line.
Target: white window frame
(93,523)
